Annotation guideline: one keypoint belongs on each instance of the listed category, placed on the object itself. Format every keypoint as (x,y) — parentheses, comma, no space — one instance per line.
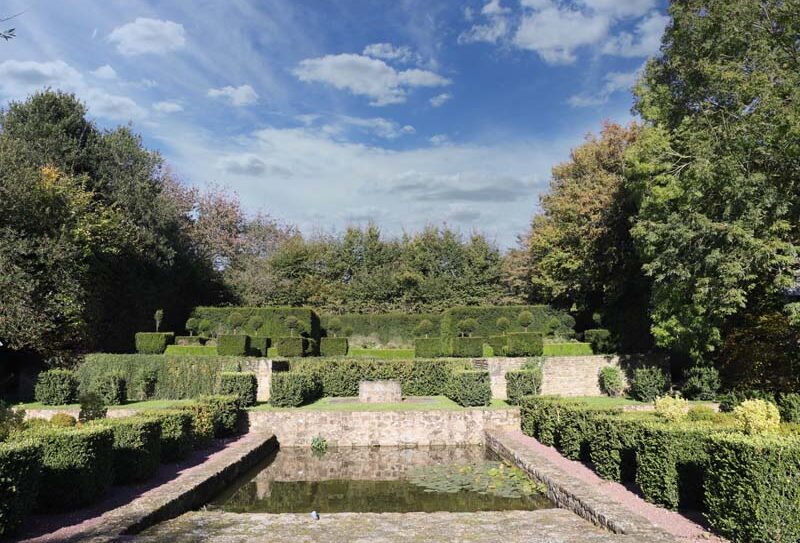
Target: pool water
(382,480)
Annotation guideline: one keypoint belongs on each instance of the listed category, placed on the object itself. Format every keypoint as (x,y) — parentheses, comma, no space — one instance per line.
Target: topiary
(757,417)
(235,320)
(56,387)
(611,381)
(292,324)
(672,409)
(204,326)
(424,328)
(466,327)
(334,326)
(648,384)
(158,316)
(503,324)
(92,407)
(254,323)
(112,388)
(63,420)
(702,383)
(192,325)
(525,319)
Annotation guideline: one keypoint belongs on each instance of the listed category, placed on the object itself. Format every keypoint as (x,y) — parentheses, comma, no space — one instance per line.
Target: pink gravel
(60,527)
(670,521)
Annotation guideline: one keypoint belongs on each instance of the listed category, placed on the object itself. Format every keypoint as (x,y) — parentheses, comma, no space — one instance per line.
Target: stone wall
(579,375)
(296,428)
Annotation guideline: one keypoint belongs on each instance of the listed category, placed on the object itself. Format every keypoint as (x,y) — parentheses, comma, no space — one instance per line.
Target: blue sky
(329,113)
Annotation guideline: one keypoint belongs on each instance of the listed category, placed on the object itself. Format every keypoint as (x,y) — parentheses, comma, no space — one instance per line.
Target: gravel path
(670,521)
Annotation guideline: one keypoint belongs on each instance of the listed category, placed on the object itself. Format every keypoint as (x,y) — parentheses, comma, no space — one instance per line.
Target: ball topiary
(466,327)
(192,325)
(424,328)
(503,324)
(525,319)
(63,420)
(235,320)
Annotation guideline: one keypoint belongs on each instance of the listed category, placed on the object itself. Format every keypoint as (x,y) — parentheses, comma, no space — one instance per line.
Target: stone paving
(544,526)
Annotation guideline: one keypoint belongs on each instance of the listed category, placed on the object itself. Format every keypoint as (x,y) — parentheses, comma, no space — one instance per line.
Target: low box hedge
(153,342)
(567,349)
(425,347)
(292,347)
(613,442)
(470,388)
(137,447)
(77,465)
(466,347)
(191,350)
(243,385)
(333,346)
(20,477)
(176,433)
(259,345)
(293,389)
(521,383)
(524,344)
(225,413)
(233,345)
(56,387)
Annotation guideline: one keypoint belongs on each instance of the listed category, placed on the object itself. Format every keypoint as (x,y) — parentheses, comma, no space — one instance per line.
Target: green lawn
(330,404)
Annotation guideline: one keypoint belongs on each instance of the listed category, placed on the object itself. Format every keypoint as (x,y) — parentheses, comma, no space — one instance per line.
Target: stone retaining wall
(296,428)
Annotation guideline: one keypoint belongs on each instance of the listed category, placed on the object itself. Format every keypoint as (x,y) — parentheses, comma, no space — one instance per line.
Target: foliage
(567,349)
(729,400)
(704,413)
(525,319)
(293,389)
(611,381)
(153,342)
(137,447)
(225,413)
(524,344)
(243,385)
(702,383)
(319,445)
(191,350)
(192,325)
(757,417)
(11,420)
(235,320)
(20,472)
(233,345)
(545,320)
(502,324)
(424,328)
(158,316)
(92,407)
(469,388)
(523,383)
(789,406)
(466,327)
(390,328)
(111,388)
(613,443)
(56,387)
(202,424)
(176,432)
(672,409)
(428,347)
(63,420)
(600,339)
(290,347)
(466,347)
(648,384)
(333,346)
(276,320)
(259,345)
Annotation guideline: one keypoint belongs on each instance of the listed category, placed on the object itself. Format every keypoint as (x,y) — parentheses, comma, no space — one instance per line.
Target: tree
(235,320)
(503,324)
(525,319)
(192,325)
(334,325)
(424,328)
(158,316)
(466,327)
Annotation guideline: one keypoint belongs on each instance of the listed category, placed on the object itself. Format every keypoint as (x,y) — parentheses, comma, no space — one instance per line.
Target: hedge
(153,342)
(333,346)
(259,346)
(753,488)
(390,327)
(56,387)
(233,345)
(522,383)
(524,344)
(225,413)
(292,347)
(187,341)
(111,388)
(274,319)
(20,477)
(567,349)
(77,465)
(546,320)
(243,385)
(137,447)
(466,347)
(176,433)
(600,340)
(613,442)
(469,388)
(293,389)
(498,344)
(428,347)
(191,350)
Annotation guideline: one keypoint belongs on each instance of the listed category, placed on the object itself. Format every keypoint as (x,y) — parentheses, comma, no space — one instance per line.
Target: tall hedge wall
(274,319)
(546,320)
(387,327)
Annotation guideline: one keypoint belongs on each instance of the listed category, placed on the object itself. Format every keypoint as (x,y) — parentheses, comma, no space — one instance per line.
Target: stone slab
(379,392)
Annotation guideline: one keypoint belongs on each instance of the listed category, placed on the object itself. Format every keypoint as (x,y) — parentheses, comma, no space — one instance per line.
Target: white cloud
(621,8)
(104,72)
(19,79)
(366,76)
(148,36)
(387,51)
(614,82)
(493,30)
(168,106)
(645,40)
(383,128)
(440,99)
(243,95)
(439,139)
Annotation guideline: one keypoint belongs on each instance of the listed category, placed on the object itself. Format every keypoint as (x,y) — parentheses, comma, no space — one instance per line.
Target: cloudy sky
(335,112)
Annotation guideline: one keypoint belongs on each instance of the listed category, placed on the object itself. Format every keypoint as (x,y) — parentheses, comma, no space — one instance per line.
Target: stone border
(571,493)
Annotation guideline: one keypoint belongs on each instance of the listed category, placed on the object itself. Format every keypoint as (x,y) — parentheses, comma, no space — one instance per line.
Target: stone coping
(585,500)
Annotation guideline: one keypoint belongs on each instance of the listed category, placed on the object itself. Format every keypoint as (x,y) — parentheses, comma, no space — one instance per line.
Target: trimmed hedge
(293,389)
(524,344)
(233,345)
(600,340)
(153,342)
(428,347)
(613,442)
(546,320)
(243,385)
(522,383)
(77,465)
(333,346)
(259,346)
(497,343)
(137,447)
(469,388)
(111,388)
(225,413)
(567,349)
(191,350)
(466,347)
(20,476)
(273,318)
(292,347)
(753,488)
(176,433)
(393,327)
(184,341)
(56,387)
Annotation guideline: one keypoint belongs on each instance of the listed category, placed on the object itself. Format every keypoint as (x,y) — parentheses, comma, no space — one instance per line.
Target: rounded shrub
(525,319)
(757,417)
(672,409)
(424,328)
(176,433)
(192,325)
(600,340)
(502,324)
(204,326)
(611,381)
(334,326)
(466,327)
(235,320)
(702,383)
(470,388)
(63,420)
(56,387)
(254,323)
(648,384)
(92,407)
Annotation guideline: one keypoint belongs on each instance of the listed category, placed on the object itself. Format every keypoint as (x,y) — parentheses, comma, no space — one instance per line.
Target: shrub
(293,389)
(525,319)
(612,445)
(254,323)
(20,476)
(63,420)
(600,340)
(385,328)
(243,385)
(186,341)
(757,417)
(137,447)
(153,342)
(573,348)
(77,465)
(544,318)
(319,445)
(204,326)
(192,325)
(333,346)
(672,409)
(259,346)
(233,345)
(704,413)
(498,344)
(467,347)
(611,381)
(428,347)
(648,384)
(56,387)
(111,388)
(522,383)
(702,383)
(728,401)
(235,320)
(291,347)
(225,413)
(466,327)
(191,350)
(11,420)
(470,388)
(789,406)
(146,383)
(424,328)
(524,344)
(92,407)
(502,324)
(202,425)
(752,488)
(176,433)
